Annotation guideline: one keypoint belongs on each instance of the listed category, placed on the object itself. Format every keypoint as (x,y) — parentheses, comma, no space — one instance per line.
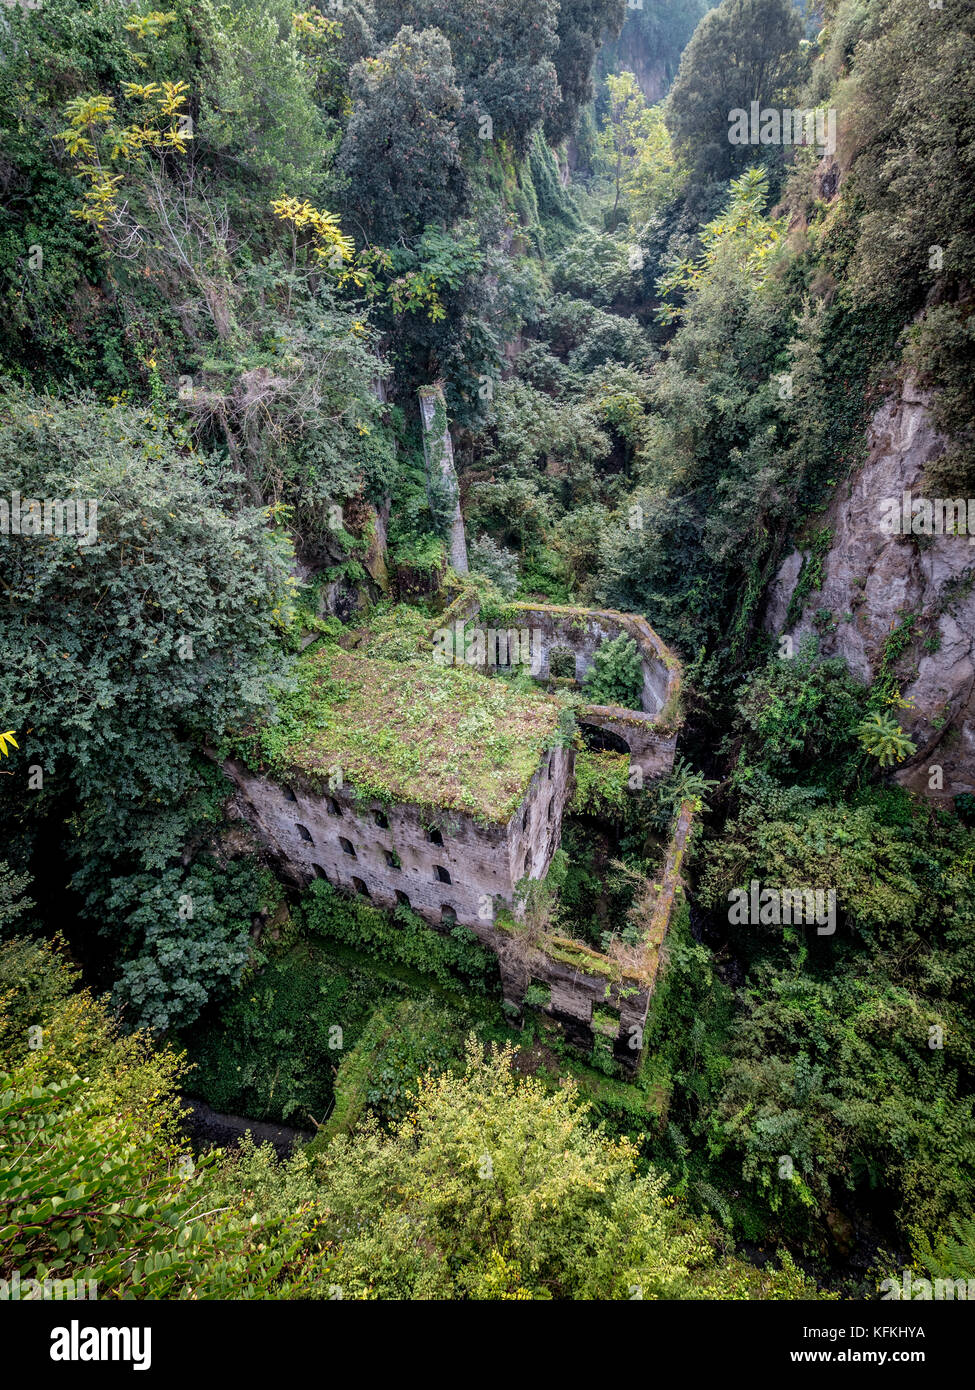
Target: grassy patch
(431,735)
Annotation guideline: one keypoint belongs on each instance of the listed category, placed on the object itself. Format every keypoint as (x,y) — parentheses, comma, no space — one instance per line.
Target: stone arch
(602,740)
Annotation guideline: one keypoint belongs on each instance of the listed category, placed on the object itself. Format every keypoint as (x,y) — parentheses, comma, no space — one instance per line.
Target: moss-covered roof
(436,736)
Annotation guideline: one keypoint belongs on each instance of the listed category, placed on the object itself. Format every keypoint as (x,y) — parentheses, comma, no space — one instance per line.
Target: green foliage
(798,719)
(654,178)
(742,51)
(883,738)
(951,1253)
(582,26)
(908,183)
(496,563)
(502,51)
(424,1040)
(616,675)
(682,783)
(272,1050)
(400,150)
(400,936)
(120,653)
(537,996)
(190,933)
(624,131)
(94,1185)
(258,109)
(602,783)
(12,905)
(494,1188)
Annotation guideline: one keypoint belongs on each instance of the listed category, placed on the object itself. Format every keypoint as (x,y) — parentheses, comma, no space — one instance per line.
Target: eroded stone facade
(450,867)
(445,865)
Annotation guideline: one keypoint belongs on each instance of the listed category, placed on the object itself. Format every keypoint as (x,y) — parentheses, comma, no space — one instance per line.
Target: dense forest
(236,240)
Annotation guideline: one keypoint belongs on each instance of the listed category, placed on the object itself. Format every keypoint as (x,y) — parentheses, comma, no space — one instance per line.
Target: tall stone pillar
(438,451)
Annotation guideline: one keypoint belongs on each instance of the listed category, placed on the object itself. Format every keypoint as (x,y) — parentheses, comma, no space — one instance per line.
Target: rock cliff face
(874,582)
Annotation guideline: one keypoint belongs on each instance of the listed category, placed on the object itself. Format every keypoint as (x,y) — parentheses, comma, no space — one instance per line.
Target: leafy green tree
(401,150)
(742,51)
(582,26)
(95,1183)
(498,564)
(190,934)
(625,127)
(495,1188)
(257,107)
(797,719)
(502,52)
(654,177)
(156,631)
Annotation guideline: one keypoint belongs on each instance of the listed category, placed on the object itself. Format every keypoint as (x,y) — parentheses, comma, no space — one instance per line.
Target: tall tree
(744,51)
(582,24)
(401,150)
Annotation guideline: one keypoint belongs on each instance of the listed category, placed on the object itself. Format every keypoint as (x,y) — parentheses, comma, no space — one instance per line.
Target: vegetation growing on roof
(416,732)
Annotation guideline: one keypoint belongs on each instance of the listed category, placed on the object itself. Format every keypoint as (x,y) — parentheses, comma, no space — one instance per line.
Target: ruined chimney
(439,454)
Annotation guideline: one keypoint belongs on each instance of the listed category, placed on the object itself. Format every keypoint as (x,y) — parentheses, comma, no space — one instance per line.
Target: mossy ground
(439,736)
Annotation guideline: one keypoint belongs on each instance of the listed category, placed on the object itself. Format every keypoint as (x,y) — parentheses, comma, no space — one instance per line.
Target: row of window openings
(447,913)
(392,858)
(434,836)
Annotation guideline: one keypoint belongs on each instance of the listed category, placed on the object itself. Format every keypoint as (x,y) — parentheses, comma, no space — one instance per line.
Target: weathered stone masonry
(650,733)
(445,865)
(450,866)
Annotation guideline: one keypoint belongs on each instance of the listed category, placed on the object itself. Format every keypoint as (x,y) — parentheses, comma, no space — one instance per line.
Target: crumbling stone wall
(592,993)
(583,631)
(438,450)
(445,865)
(650,733)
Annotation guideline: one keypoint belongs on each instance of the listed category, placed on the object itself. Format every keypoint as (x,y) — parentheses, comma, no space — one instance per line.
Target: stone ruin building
(441,789)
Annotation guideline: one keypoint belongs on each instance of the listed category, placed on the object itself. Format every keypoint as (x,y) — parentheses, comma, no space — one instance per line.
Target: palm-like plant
(884,738)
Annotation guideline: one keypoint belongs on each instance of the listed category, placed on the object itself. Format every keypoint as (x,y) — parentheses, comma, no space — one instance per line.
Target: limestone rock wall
(872,581)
